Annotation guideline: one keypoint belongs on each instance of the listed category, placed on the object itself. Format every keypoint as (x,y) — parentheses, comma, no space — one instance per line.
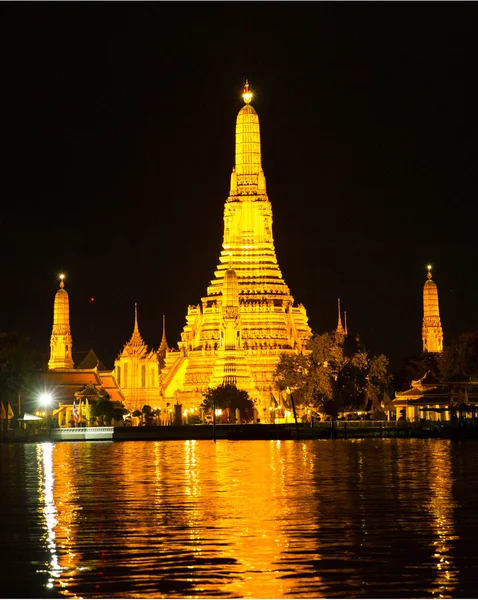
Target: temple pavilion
(247,317)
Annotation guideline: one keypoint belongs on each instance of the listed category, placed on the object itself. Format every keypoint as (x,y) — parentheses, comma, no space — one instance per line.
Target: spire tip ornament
(246,93)
(429,274)
(62,283)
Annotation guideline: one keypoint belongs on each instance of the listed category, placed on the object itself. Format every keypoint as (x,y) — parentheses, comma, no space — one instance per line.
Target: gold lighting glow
(432,332)
(61,341)
(246,93)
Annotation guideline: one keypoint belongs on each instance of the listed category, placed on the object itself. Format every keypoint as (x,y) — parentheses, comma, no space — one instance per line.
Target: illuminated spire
(432,333)
(60,341)
(345,323)
(249,177)
(136,339)
(164,343)
(340,330)
(163,346)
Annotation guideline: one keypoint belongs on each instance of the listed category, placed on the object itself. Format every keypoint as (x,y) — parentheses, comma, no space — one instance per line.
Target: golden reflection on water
(266,519)
(434,511)
(441,508)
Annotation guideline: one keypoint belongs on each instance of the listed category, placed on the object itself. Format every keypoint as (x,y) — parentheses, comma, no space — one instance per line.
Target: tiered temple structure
(137,371)
(432,334)
(62,379)
(61,353)
(247,318)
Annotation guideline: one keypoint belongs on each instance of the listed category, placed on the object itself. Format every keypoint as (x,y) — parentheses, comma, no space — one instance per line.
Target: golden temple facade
(247,317)
(137,371)
(432,333)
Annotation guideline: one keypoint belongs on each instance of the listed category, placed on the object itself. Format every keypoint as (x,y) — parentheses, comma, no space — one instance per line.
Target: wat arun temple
(247,317)
(237,333)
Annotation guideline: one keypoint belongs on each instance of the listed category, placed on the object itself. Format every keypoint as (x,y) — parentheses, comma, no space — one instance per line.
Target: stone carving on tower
(432,333)
(137,372)
(247,318)
(61,346)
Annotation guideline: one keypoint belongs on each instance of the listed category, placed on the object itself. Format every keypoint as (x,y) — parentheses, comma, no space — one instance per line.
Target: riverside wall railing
(74,434)
(317,430)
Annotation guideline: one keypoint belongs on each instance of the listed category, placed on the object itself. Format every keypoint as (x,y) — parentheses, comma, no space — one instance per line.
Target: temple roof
(136,345)
(91,361)
(459,377)
(72,377)
(67,382)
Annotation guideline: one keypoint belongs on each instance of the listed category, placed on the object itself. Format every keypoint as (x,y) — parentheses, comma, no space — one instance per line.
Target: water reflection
(48,509)
(265,519)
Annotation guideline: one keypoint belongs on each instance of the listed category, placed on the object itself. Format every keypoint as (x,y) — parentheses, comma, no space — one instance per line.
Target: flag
(3,414)
(75,412)
(11,414)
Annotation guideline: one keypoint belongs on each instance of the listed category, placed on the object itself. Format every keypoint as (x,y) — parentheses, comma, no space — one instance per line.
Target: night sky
(118,144)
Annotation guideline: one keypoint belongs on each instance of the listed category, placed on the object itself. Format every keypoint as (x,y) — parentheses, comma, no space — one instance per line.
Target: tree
(228,397)
(104,408)
(460,357)
(18,369)
(336,374)
(415,367)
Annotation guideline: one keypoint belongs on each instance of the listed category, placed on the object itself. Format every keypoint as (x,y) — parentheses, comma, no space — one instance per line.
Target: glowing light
(92,299)
(45,399)
(429,267)
(62,276)
(246,93)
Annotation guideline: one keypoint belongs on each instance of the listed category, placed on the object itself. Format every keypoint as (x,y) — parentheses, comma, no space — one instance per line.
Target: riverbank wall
(260,431)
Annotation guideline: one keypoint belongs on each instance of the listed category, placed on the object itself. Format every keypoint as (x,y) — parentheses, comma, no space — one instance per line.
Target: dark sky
(118,134)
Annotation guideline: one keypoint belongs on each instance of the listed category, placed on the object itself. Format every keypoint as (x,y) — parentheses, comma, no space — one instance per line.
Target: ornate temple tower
(61,347)
(340,328)
(137,372)
(247,318)
(432,334)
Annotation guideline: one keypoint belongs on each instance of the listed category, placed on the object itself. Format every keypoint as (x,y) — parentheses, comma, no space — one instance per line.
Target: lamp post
(45,400)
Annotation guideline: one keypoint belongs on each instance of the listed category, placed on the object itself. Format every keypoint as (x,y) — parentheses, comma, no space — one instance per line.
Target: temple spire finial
(246,93)
(163,346)
(340,328)
(429,274)
(62,283)
(136,328)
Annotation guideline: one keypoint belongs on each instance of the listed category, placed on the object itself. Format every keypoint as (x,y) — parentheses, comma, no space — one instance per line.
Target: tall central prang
(248,317)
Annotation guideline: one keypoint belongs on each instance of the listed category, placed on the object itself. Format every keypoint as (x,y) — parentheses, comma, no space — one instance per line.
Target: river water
(388,518)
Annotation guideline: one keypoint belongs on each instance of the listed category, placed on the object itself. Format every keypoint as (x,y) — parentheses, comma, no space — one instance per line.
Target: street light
(45,400)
